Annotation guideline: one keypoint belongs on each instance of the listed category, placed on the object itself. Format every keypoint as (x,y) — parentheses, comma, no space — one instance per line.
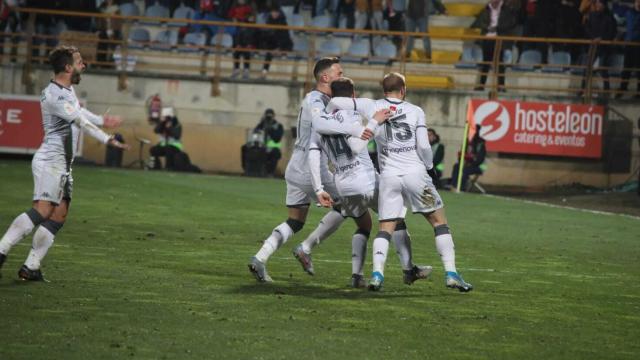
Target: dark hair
(393,82)
(324,64)
(61,56)
(342,87)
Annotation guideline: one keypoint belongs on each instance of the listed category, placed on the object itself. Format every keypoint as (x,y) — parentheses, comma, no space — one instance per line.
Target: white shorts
(51,182)
(356,205)
(299,195)
(416,190)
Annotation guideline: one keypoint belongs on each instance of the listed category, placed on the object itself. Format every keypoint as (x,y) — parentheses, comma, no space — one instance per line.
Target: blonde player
(51,165)
(404,155)
(356,181)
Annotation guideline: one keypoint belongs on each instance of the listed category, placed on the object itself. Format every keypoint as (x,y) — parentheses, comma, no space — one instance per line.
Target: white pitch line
(597,212)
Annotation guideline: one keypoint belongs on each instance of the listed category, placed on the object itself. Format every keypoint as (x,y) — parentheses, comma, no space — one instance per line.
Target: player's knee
(441,230)
(401,225)
(53,226)
(35,216)
(295,225)
(363,232)
(383,235)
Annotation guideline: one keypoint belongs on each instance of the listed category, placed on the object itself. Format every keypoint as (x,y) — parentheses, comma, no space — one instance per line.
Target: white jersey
(298,168)
(60,110)
(397,138)
(403,147)
(354,173)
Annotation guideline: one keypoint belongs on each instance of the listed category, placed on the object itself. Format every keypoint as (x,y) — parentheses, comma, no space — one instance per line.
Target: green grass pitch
(153,265)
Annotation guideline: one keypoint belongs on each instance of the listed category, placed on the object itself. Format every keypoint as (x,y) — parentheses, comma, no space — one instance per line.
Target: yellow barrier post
(464,150)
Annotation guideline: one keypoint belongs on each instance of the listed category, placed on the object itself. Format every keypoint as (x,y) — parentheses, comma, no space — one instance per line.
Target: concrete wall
(214,128)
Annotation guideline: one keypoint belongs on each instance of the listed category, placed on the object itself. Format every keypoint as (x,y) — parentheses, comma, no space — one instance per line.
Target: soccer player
(300,191)
(356,181)
(404,157)
(51,164)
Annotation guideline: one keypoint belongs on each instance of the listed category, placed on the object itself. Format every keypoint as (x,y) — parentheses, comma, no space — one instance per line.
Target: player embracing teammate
(404,155)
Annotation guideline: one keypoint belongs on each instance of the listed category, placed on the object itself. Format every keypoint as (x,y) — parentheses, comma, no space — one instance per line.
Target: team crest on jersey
(392,108)
(68,108)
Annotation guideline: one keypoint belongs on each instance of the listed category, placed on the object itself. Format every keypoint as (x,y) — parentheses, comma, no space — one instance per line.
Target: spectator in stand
(417,19)
(601,25)
(395,14)
(586,8)
(497,19)
(272,39)
(45,25)
(347,9)
(79,23)
(631,53)
(208,10)
(569,26)
(245,38)
(109,30)
(9,21)
(543,25)
(369,12)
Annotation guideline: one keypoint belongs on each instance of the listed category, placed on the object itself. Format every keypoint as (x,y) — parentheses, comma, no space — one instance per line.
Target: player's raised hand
(112,121)
(118,144)
(382,115)
(325,199)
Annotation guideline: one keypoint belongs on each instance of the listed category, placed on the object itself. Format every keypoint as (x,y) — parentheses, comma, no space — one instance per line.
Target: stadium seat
(329,47)
(358,51)
(615,64)
(582,61)
(193,42)
(558,62)
(225,40)
(296,20)
(165,40)
(300,47)
(183,12)
(384,52)
(528,60)
(158,11)
(471,55)
(139,38)
(129,9)
(321,21)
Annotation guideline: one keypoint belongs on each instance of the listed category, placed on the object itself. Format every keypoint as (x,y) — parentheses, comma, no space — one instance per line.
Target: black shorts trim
(392,219)
(299,206)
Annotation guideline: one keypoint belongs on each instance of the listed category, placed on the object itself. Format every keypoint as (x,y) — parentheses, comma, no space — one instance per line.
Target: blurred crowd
(572,19)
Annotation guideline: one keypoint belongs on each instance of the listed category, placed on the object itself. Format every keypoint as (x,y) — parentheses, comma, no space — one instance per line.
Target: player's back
(396,138)
(298,167)
(354,172)
(56,102)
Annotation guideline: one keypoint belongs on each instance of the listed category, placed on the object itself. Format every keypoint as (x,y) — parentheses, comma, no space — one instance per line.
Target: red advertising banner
(21,129)
(538,128)
(20,124)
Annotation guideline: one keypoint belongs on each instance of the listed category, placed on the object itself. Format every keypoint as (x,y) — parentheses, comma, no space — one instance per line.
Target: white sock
(42,241)
(358,252)
(380,249)
(20,227)
(278,237)
(327,226)
(402,242)
(446,249)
